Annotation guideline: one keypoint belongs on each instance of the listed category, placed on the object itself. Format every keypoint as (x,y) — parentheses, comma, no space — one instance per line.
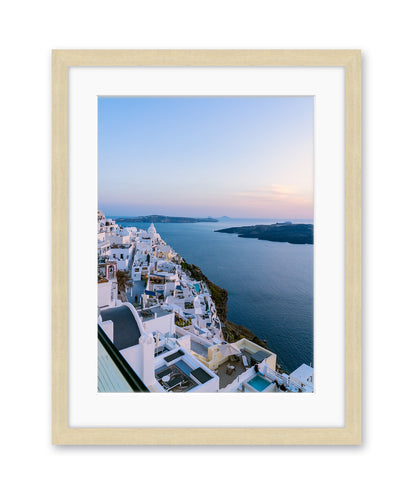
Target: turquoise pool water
(259,383)
(197,288)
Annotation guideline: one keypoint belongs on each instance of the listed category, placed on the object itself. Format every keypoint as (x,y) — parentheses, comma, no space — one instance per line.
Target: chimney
(146,359)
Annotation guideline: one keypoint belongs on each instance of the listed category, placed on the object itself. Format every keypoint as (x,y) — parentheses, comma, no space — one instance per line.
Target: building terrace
(230,370)
(152,313)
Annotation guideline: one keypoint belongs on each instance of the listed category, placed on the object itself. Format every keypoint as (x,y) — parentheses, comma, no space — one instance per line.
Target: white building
(121,253)
(174,340)
(303,375)
(157,359)
(107,285)
(103,246)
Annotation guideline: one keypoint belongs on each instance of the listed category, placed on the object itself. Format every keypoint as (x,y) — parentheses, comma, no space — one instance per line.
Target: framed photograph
(206,247)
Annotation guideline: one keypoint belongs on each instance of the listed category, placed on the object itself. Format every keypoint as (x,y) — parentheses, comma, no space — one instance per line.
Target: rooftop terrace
(175,378)
(151,313)
(230,370)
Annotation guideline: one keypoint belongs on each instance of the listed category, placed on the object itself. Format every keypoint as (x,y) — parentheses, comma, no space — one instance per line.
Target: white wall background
(382,467)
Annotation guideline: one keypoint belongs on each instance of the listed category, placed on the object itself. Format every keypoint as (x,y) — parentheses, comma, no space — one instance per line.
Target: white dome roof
(151,229)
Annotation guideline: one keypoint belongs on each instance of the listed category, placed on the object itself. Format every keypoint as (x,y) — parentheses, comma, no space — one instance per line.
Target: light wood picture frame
(62,433)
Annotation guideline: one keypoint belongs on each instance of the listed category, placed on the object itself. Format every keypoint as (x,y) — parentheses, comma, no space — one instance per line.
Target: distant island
(284,232)
(162,219)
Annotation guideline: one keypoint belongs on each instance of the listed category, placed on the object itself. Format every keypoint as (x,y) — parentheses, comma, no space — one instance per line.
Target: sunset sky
(243,157)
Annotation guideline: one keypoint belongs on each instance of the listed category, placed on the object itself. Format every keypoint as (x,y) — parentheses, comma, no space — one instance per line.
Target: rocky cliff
(232,332)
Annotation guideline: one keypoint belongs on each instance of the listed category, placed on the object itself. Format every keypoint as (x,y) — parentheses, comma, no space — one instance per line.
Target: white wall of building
(164,324)
(118,238)
(108,327)
(107,294)
(141,358)
(121,253)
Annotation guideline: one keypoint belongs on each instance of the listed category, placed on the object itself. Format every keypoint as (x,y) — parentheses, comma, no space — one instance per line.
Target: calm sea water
(269,284)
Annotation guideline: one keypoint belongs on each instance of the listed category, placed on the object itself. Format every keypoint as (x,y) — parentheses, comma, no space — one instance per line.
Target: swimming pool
(197,288)
(259,383)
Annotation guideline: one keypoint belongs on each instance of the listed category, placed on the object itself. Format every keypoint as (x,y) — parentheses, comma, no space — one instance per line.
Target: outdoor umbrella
(229,349)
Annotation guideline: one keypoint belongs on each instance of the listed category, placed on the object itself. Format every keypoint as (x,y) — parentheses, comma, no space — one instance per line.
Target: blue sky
(206,156)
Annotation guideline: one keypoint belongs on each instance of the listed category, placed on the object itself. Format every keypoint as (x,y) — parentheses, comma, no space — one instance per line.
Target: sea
(269,284)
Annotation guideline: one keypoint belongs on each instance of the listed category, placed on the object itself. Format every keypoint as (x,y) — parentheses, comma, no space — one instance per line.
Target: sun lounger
(175,380)
(245,362)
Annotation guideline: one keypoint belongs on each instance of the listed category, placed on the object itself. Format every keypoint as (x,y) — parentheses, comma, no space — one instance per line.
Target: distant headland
(284,232)
(163,219)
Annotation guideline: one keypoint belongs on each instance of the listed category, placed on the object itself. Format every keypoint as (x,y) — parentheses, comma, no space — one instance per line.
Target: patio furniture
(228,350)
(245,361)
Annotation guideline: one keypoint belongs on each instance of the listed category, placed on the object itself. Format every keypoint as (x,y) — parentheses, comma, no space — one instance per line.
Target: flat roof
(178,380)
(302,372)
(148,314)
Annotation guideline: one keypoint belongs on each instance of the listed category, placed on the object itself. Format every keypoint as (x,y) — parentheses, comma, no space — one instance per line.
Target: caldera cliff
(232,332)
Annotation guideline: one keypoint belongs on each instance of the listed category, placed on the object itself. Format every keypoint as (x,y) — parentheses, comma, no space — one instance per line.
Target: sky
(241,157)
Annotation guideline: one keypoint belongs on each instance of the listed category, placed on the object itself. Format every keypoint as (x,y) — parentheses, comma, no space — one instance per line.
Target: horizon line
(210,216)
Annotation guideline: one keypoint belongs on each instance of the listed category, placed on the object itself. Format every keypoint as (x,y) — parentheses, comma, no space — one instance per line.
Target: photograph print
(205,244)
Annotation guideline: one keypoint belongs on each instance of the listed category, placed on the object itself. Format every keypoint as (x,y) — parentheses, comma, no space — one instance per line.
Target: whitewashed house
(107,284)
